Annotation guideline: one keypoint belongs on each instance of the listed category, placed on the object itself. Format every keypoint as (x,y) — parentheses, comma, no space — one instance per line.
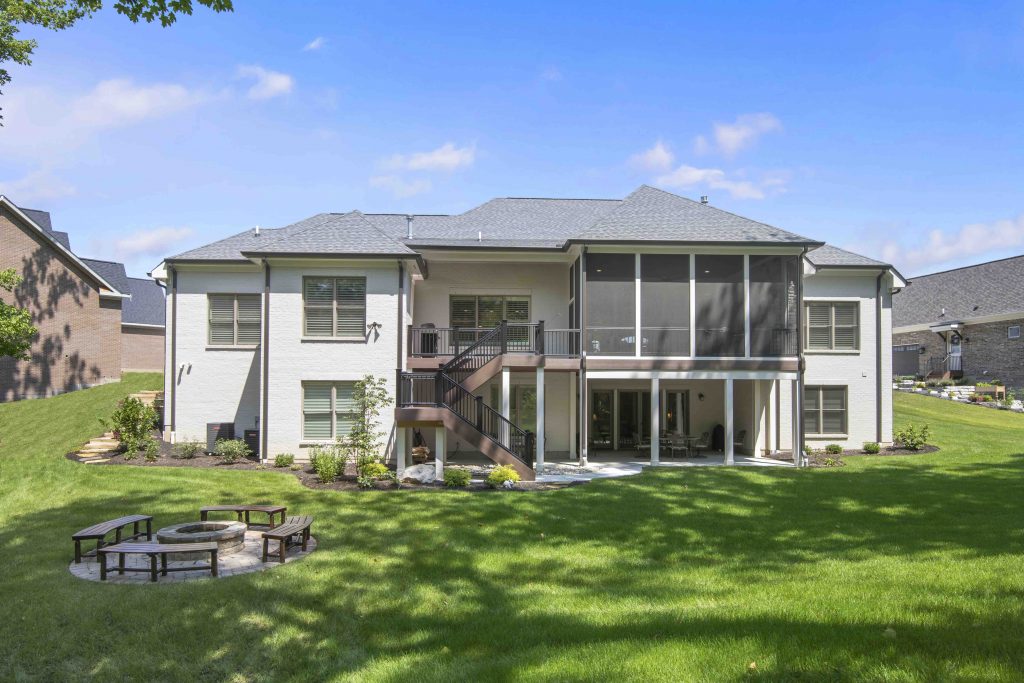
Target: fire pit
(229,536)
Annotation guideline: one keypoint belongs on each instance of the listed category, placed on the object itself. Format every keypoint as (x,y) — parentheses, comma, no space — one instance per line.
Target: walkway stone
(246,561)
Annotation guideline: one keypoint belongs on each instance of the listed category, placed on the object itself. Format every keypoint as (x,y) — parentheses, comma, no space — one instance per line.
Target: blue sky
(895,131)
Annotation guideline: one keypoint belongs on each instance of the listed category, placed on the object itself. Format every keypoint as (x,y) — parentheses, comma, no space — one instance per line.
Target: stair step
(93,461)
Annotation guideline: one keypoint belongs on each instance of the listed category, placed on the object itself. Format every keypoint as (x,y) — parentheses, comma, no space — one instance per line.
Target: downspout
(400,334)
(174,350)
(264,427)
(878,357)
(584,407)
(801,366)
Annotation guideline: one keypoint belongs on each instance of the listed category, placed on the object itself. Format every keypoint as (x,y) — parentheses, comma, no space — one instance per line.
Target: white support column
(746,305)
(573,382)
(637,322)
(693,304)
(400,451)
(539,462)
(655,419)
(760,416)
(798,448)
(506,393)
(440,451)
(729,426)
(615,419)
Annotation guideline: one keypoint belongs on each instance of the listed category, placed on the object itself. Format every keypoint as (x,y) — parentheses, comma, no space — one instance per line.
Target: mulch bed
(818,458)
(305,473)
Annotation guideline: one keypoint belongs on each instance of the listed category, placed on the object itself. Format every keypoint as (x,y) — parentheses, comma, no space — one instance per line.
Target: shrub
(831,462)
(834,449)
(501,474)
(911,437)
(284,460)
(131,423)
(1008,399)
(456,477)
(151,450)
(231,450)
(872,448)
(375,470)
(327,463)
(186,450)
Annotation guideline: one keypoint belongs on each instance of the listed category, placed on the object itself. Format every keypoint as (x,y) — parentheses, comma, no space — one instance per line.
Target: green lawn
(894,569)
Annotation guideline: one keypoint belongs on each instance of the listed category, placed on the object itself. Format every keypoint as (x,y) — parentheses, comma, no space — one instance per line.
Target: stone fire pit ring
(229,537)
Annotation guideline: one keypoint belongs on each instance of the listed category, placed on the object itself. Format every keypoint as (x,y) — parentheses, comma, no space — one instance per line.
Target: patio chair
(740,440)
(703,445)
(640,442)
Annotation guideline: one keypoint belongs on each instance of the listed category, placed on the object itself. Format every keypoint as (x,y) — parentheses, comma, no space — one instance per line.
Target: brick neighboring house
(79,308)
(964,322)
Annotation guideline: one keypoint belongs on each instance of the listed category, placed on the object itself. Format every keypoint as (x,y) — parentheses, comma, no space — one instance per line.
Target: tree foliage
(16,330)
(58,15)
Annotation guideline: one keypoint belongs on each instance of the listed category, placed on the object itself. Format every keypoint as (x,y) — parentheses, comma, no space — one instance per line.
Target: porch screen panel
(773,305)
(611,304)
(720,305)
(665,304)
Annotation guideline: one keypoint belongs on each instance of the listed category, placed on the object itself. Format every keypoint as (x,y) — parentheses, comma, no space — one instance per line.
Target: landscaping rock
(420,474)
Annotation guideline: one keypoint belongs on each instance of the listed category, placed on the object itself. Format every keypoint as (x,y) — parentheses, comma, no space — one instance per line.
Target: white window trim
(821,416)
(334,336)
(210,346)
(832,326)
(1009,335)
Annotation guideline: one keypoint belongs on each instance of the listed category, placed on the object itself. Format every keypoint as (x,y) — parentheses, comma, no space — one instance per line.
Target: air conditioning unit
(218,430)
(252,440)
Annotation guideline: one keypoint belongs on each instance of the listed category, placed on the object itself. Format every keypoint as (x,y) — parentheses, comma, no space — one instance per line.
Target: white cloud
(400,187)
(738,186)
(314,44)
(36,186)
(268,84)
(731,138)
(447,157)
(551,74)
(120,102)
(943,247)
(657,158)
(155,242)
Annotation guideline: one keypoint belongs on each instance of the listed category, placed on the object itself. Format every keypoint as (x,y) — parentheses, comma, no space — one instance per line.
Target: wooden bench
(153,550)
(285,534)
(244,510)
(98,533)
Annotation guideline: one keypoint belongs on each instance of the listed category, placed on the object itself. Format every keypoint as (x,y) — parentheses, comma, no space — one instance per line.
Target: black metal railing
(430,342)
(478,354)
(558,342)
(486,420)
(948,363)
(417,388)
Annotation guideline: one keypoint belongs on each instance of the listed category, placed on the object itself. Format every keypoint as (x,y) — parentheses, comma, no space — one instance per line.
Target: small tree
(16,330)
(366,438)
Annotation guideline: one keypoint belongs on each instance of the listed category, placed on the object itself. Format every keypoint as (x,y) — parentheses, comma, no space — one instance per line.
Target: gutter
(801,365)
(265,369)
(174,348)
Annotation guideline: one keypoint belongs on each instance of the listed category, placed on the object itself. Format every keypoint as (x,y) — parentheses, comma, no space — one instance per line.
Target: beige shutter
(846,330)
(248,319)
(819,326)
(316,411)
(222,320)
(351,301)
(319,305)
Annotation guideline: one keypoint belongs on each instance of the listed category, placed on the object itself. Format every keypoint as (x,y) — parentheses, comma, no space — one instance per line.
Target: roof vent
(703,199)
(256,232)
(479,235)
(408,227)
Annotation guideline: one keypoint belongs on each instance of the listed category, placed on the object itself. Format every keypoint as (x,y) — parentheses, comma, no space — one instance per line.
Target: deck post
(572,415)
(440,448)
(655,420)
(539,458)
(729,426)
(400,451)
(795,415)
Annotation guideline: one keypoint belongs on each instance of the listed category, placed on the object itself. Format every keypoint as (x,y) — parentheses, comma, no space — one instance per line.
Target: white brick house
(533,330)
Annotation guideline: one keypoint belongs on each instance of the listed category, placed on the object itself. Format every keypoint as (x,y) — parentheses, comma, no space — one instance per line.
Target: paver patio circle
(248,560)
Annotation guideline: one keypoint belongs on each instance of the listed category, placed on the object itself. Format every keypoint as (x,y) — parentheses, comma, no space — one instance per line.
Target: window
(328,410)
(234,319)
(1013,332)
(488,310)
(832,326)
(825,410)
(335,307)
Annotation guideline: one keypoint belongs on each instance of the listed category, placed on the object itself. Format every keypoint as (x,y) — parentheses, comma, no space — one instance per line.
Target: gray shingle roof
(829,255)
(333,233)
(652,215)
(40,218)
(993,288)
(146,307)
(111,271)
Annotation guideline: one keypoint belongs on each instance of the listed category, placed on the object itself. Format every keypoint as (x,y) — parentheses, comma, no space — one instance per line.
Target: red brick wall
(78,344)
(142,349)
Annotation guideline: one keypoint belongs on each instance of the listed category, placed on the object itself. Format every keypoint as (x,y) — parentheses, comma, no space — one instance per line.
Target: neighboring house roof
(111,271)
(332,234)
(147,306)
(42,219)
(988,289)
(646,215)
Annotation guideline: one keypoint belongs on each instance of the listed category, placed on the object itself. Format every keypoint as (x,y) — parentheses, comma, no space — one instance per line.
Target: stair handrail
(471,409)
